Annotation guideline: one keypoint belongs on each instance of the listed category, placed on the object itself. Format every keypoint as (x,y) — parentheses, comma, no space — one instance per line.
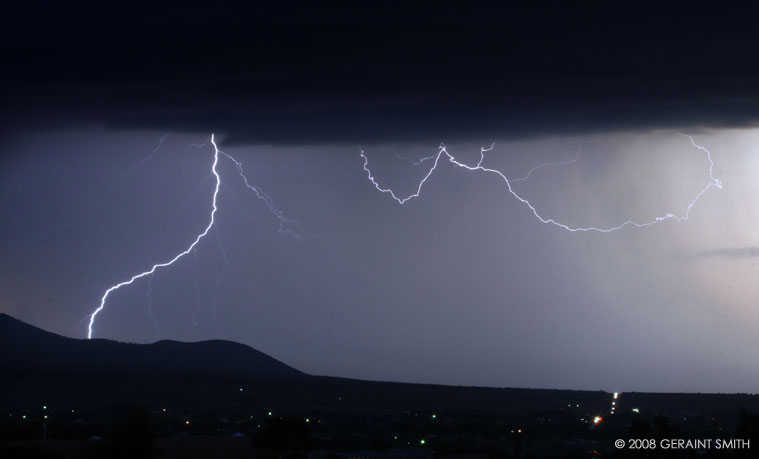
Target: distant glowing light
(616,395)
(635,410)
(187,422)
(269,413)
(422,442)
(597,419)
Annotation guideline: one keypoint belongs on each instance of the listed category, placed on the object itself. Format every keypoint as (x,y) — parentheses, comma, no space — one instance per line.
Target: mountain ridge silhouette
(35,350)
(39,367)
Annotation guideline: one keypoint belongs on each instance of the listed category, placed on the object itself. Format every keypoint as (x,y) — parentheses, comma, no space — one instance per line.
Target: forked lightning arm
(177,257)
(442,151)
(283,221)
(270,204)
(541,166)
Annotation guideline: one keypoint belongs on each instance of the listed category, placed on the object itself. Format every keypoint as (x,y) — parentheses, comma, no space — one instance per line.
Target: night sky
(105,170)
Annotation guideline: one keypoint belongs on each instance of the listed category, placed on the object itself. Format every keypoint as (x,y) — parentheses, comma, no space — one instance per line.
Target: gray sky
(460,286)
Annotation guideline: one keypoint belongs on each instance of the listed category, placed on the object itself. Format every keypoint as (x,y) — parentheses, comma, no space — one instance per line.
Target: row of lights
(614,402)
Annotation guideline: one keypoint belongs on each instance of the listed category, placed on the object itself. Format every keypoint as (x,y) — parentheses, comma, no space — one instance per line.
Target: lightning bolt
(90,216)
(541,166)
(420,161)
(412,161)
(195,320)
(285,225)
(150,306)
(178,256)
(217,286)
(283,221)
(443,152)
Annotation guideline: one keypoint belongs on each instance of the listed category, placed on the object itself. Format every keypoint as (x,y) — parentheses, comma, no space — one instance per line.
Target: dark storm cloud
(739,253)
(380,72)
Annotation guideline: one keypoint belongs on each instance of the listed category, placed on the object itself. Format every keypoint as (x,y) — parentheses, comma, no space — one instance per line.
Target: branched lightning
(118,178)
(150,306)
(412,161)
(541,166)
(178,256)
(293,228)
(284,222)
(420,161)
(442,151)
(195,320)
(105,194)
(217,286)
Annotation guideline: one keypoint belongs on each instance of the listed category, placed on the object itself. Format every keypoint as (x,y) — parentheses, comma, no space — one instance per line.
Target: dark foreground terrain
(62,397)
